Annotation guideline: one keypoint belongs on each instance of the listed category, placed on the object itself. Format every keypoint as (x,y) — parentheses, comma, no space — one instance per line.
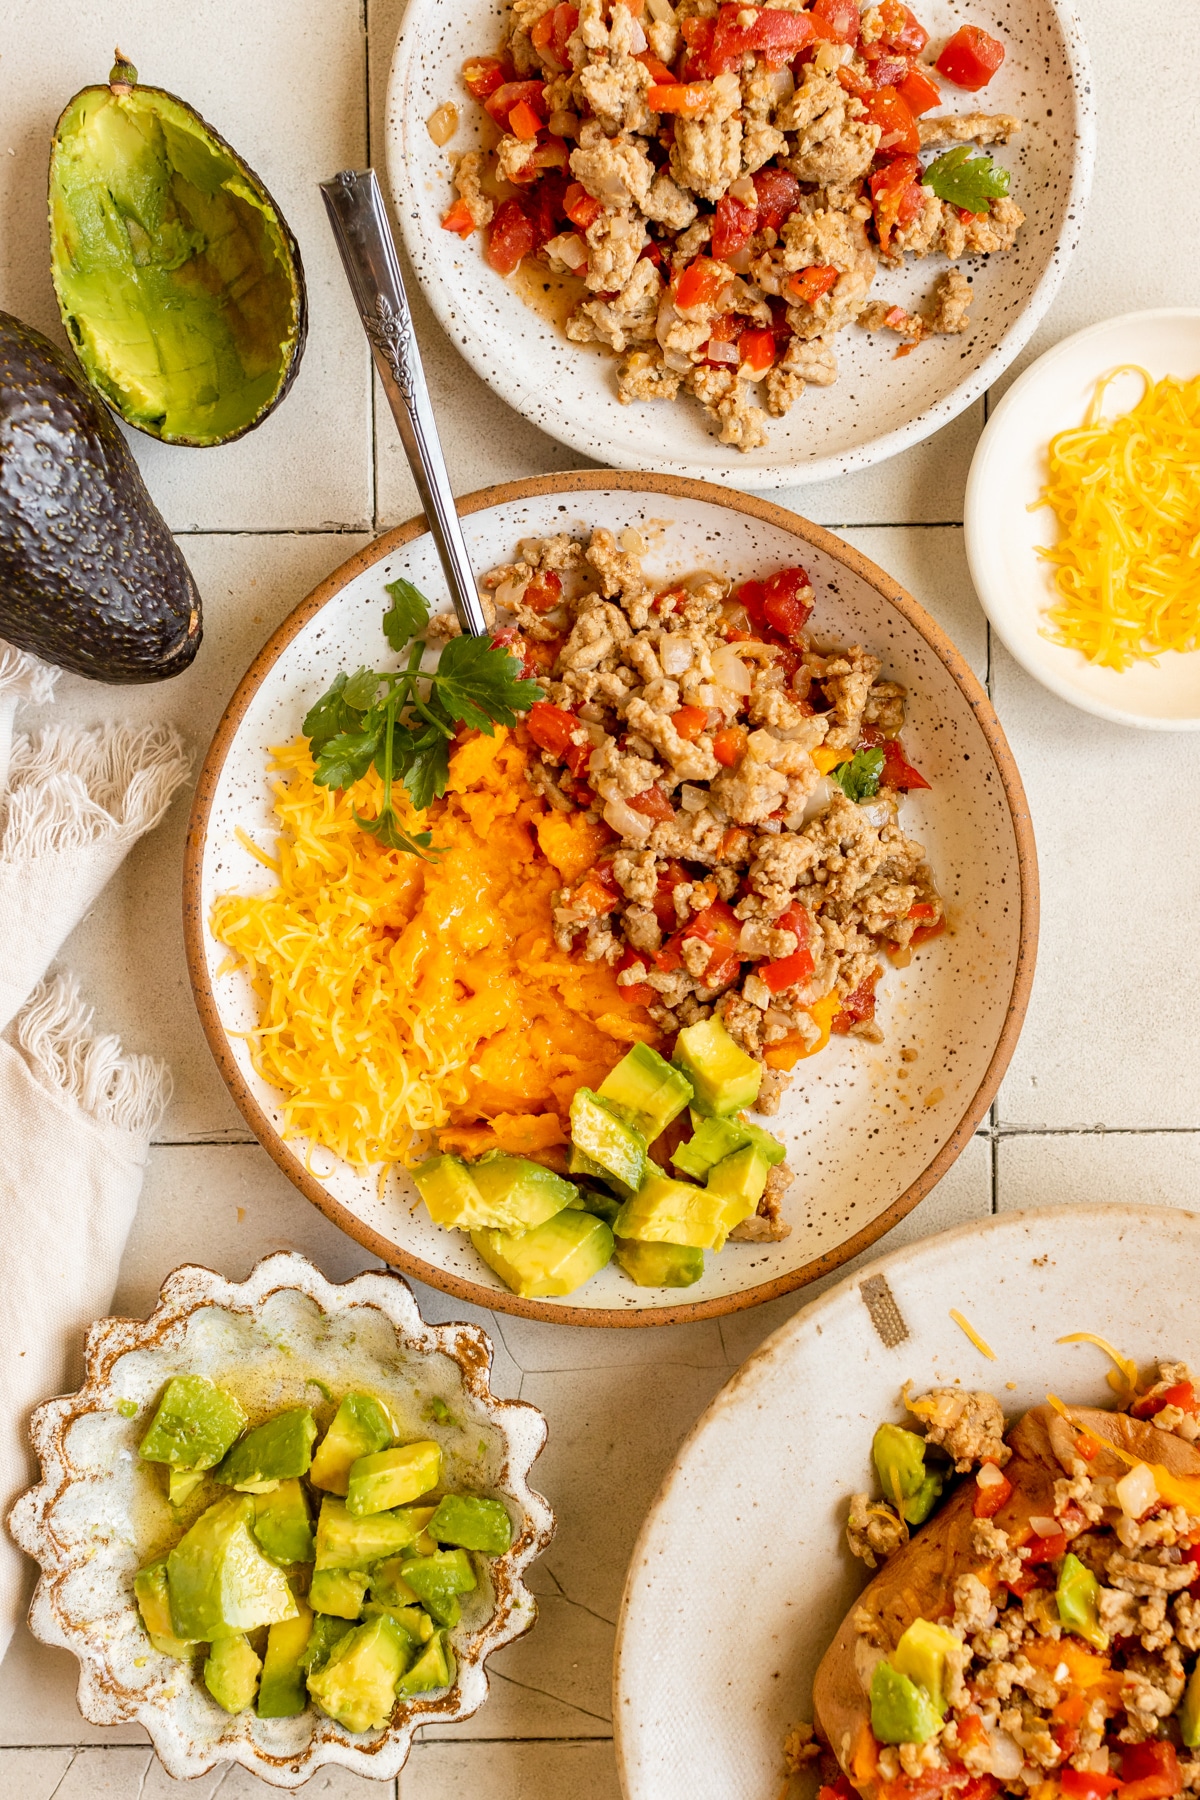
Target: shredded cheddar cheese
(399,997)
(968,1330)
(1123,1383)
(1126,492)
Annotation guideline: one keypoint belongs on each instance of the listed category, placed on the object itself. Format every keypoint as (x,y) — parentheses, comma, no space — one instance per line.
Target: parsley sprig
(404,720)
(859,778)
(966,177)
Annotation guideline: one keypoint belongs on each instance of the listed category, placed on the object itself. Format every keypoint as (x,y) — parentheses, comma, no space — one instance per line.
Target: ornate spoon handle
(355,207)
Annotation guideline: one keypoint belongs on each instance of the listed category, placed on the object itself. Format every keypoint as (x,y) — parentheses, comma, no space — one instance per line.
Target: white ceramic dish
(1002,535)
(879,405)
(740,1576)
(867,1132)
(99,1513)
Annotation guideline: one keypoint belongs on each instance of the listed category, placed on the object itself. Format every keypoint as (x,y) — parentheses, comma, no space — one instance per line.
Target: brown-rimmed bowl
(869,1130)
(276,1339)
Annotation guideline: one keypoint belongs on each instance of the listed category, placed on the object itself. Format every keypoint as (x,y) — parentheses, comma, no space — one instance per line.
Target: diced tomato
(653,803)
(1024,1584)
(718,925)
(988,1500)
(1086,1784)
(523,122)
(544,592)
(809,284)
(734,225)
(837,1790)
(898,129)
(499,105)
(1066,1737)
(459,219)
(885,68)
(757,349)
(773,36)
(593,898)
(787,601)
(484,74)
(895,190)
(687,98)
(902,30)
(640,992)
(1192,1555)
(835,21)
(778,194)
(729,745)
(897,771)
(580,207)
(971,1730)
(702,282)
(690,721)
(1045,1549)
(1150,1771)
(1182,1395)
(510,237)
(553,31)
(551,727)
(970,58)
(786,971)
(919,92)
(723,967)
(671,600)
(698,37)
(544,203)
(858,1006)
(669,878)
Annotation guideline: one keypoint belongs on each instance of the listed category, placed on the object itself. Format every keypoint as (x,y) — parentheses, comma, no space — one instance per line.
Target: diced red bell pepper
(778,192)
(687,98)
(499,105)
(640,992)
(698,35)
(669,878)
(484,74)
(544,592)
(729,745)
(459,219)
(702,282)
(510,237)
(896,196)
(898,129)
(757,349)
(988,1500)
(652,803)
(1024,1584)
(902,30)
(690,721)
(1182,1395)
(1045,1549)
(897,771)
(734,224)
(919,92)
(787,601)
(970,58)
(581,207)
(594,898)
(1150,1771)
(810,284)
(858,1006)
(835,21)
(1086,1784)
(524,123)
(774,37)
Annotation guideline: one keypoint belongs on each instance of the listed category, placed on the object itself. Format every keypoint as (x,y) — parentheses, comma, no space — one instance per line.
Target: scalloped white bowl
(99,1513)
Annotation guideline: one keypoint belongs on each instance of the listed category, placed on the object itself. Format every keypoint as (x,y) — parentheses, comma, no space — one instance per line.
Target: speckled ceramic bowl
(701,1700)
(880,404)
(99,1513)
(868,1130)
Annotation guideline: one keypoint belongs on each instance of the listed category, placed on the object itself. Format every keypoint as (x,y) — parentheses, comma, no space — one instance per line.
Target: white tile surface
(1079,1168)
(510,1772)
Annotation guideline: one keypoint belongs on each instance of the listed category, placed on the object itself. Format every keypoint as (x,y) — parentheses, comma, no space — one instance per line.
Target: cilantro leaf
(479,684)
(392,835)
(330,715)
(966,177)
(859,778)
(360,690)
(346,758)
(407,616)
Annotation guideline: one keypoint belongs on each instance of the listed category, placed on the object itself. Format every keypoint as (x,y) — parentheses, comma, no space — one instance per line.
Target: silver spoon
(364,237)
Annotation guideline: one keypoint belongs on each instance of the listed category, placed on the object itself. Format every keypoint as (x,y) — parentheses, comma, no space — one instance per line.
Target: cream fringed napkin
(76,1111)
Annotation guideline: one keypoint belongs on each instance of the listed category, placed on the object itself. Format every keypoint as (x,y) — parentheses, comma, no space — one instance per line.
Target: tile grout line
(364,527)
(372,421)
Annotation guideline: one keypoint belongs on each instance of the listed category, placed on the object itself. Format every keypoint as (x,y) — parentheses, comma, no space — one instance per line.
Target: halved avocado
(177,277)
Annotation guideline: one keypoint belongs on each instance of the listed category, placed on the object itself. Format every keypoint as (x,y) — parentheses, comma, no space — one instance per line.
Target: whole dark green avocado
(90,577)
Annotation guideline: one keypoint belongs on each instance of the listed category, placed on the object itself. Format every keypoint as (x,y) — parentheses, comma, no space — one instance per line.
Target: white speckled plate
(880,404)
(867,1132)
(1007,472)
(740,1576)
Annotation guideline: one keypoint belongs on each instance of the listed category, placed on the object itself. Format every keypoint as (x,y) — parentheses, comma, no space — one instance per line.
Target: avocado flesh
(664,1211)
(714,1139)
(361,1425)
(154,1603)
(279,1450)
(219,1579)
(338,1591)
(90,577)
(282,1524)
(613,1146)
(194,1424)
(177,278)
(725,1079)
(231,1672)
(434,1668)
(645,1090)
(347,1542)
(518,1194)
(437,1582)
(472,1523)
(659,1265)
(555,1258)
(357,1686)
(281,1689)
(392,1478)
(741,1179)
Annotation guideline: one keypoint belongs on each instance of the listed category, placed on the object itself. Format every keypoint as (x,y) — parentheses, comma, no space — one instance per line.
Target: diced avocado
(473,1523)
(338,1591)
(276,1451)
(659,1265)
(282,1524)
(601,1203)
(921,1654)
(344,1542)
(231,1672)
(154,1604)
(437,1580)
(666,1211)
(392,1477)
(579,1164)
(725,1079)
(899,1458)
(714,1139)
(281,1689)
(326,1632)
(194,1426)
(447,1186)
(615,1147)
(218,1578)
(901,1712)
(361,1425)
(741,1179)
(388,1586)
(182,1484)
(918,1506)
(357,1685)
(645,1091)
(554,1258)
(1078,1597)
(434,1668)
(415,1623)
(1189,1712)
(518,1194)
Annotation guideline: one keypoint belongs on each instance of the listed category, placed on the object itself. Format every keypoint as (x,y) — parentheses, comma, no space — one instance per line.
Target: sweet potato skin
(918,1581)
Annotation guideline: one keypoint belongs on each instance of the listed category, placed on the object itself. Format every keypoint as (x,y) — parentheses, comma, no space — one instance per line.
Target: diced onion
(743,189)
(569,249)
(692,799)
(730,670)
(989,1476)
(442,123)
(675,653)
(1006,1757)
(677,360)
(821,797)
(627,823)
(1137,1491)
(637,38)
(876,812)
(1043,1525)
(662,10)
(722,351)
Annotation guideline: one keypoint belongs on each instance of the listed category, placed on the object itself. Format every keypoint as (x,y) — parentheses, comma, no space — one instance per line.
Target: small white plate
(1002,535)
(879,405)
(741,1575)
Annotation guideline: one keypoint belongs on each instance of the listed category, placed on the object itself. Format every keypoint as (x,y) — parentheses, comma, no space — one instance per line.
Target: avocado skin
(90,576)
